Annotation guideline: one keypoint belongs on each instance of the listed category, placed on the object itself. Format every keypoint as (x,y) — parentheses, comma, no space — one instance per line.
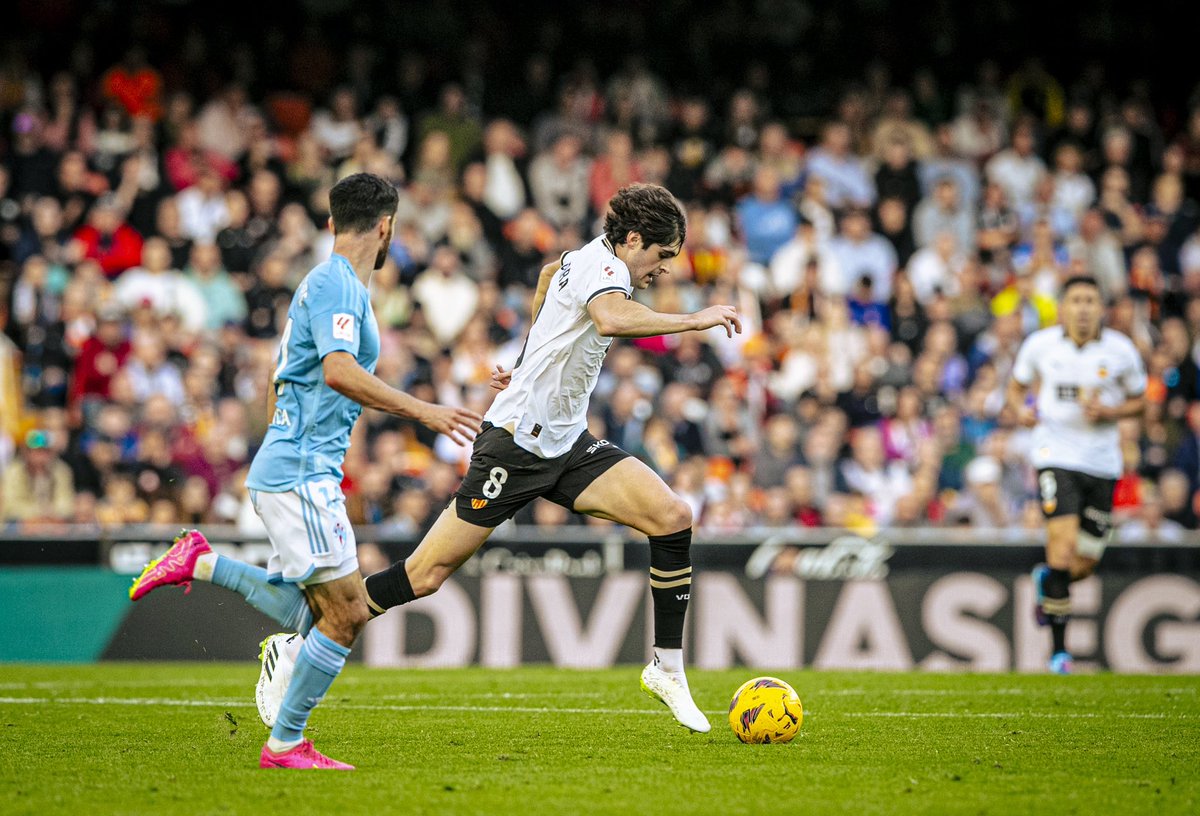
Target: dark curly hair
(357,202)
(649,210)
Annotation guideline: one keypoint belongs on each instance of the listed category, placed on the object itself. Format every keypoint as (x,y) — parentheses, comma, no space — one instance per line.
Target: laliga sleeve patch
(343,327)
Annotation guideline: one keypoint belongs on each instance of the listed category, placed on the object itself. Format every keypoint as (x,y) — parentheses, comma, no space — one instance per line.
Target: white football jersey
(545,406)
(1068,376)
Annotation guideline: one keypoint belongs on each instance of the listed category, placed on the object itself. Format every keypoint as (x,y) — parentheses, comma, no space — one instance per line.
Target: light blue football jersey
(310,431)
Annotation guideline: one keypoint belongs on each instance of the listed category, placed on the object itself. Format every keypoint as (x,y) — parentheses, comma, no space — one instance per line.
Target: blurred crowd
(887,259)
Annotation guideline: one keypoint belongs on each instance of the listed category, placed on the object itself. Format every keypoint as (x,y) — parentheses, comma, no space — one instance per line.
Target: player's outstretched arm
(615,316)
(344,375)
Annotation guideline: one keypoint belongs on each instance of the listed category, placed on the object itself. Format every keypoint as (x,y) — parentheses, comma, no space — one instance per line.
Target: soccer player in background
(324,378)
(535,442)
(1089,377)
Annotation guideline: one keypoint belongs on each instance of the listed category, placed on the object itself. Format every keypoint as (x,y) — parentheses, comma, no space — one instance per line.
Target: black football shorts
(504,477)
(1071,493)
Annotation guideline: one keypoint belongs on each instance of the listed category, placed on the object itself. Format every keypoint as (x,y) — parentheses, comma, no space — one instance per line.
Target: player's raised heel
(273,679)
(1061,663)
(1039,574)
(176,566)
(674,695)
(304,756)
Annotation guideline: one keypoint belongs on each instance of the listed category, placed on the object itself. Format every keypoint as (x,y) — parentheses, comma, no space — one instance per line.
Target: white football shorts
(310,533)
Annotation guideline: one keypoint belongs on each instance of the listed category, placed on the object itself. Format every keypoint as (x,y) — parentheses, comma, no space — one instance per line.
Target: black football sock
(1057,606)
(670,586)
(388,588)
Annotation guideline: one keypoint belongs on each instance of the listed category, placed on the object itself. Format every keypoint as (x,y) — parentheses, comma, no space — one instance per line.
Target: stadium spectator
(766,219)
(944,211)
(155,285)
(447,296)
(107,239)
(203,209)
(865,259)
(223,299)
(37,487)
(1018,169)
(558,179)
(843,173)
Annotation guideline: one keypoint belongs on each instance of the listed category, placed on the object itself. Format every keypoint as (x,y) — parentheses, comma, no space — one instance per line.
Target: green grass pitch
(126,738)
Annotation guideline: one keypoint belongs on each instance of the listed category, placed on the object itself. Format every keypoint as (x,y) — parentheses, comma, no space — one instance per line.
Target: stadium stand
(889,242)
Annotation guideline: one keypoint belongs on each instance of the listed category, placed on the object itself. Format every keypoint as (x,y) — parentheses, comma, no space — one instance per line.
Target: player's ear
(633,239)
(329,224)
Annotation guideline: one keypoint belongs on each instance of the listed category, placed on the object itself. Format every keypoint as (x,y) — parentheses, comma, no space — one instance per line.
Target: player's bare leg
(342,604)
(1082,567)
(1054,591)
(449,543)
(632,494)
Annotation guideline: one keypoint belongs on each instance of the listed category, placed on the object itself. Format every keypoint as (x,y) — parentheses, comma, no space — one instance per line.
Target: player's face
(385,241)
(1082,310)
(648,262)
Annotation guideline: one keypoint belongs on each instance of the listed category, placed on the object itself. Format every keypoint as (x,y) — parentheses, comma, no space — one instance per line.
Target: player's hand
(459,424)
(501,379)
(1093,411)
(1027,416)
(726,316)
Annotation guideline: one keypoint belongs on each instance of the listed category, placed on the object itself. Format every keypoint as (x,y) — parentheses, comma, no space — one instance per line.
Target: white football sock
(669,660)
(279,746)
(205,564)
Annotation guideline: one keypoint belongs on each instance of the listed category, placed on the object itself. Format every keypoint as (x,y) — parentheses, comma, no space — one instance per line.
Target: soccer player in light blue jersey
(323,379)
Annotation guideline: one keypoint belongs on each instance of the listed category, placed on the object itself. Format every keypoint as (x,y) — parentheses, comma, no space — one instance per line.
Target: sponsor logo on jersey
(281,418)
(608,272)
(343,327)
(478,504)
(597,445)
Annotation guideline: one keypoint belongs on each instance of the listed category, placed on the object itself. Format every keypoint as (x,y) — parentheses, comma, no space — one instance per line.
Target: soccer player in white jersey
(1088,377)
(324,378)
(535,443)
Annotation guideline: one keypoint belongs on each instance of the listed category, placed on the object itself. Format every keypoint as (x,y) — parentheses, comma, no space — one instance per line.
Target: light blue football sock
(283,602)
(321,660)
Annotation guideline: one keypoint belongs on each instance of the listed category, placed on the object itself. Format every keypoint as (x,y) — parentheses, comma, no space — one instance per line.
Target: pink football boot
(176,566)
(303,755)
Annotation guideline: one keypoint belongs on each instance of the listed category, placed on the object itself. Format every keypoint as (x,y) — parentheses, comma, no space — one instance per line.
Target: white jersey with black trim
(545,405)
(1109,367)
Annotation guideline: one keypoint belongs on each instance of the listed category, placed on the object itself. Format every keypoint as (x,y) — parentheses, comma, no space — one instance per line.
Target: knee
(675,516)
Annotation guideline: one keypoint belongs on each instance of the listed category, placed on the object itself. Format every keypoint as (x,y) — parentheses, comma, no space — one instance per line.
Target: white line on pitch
(162,701)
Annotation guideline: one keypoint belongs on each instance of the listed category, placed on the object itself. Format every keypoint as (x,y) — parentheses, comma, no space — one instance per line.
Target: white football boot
(276,674)
(671,689)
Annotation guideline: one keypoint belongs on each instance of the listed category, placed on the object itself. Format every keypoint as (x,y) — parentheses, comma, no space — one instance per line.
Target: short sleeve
(1133,379)
(603,277)
(1024,368)
(335,313)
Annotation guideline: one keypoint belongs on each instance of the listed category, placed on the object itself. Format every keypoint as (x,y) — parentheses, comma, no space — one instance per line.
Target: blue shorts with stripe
(310,533)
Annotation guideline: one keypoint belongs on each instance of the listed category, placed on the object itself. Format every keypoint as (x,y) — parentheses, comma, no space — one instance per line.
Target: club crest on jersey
(478,504)
(340,532)
(1103,371)
(343,327)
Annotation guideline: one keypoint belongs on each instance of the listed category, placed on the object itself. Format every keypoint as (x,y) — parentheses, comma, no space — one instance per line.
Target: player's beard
(381,256)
